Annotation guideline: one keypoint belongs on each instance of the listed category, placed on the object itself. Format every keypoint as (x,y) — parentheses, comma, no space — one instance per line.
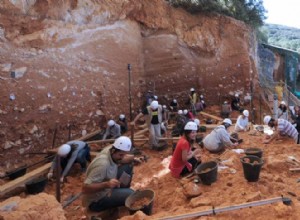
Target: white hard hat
(155,97)
(154,104)
(191,126)
(122,116)
(63,150)
(246,113)
(164,106)
(179,112)
(225,102)
(192,90)
(228,121)
(185,111)
(236,95)
(283,103)
(197,121)
(267,119)
(201,96)
(122,143)
(111,123)
(174,100)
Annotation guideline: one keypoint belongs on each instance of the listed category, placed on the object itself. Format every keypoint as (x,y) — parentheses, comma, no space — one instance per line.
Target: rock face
(41,206)
(78,50)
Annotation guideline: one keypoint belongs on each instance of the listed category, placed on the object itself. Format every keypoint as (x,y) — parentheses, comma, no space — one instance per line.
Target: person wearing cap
(123,123)
(219,138)
(184,159)
(200,105)
(174,105)
(282,128)
(242,122)
(153,114)
(181,120)
(282,111)
(70,153)
(113,130)
(188,114)
(235,103)
(108,177)
(225,110)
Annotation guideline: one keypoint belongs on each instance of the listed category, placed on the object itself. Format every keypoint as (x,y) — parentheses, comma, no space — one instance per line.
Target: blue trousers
(82,156)
(118,195)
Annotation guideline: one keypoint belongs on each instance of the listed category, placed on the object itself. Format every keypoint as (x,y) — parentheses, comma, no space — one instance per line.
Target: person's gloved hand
(50,175)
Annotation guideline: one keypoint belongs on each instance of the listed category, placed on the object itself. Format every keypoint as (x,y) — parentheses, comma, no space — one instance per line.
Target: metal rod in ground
(57,174)
(229,208)
(72,199)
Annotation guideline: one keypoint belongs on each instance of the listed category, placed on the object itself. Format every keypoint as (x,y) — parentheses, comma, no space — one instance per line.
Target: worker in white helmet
(123,123)
(192,100)
(282,111)
(108,177)
(113,130)
(219,138)
(236,103)
(153,114)
(184,159)
(242,122)
(174,105)
(70,153)
(181,120)
(283,128)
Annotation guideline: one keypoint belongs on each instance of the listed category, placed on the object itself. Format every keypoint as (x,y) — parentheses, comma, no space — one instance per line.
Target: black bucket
(202,129)
(36,186)
(254,152)
(138,196)
(14,174)
(207,172)
(251,166)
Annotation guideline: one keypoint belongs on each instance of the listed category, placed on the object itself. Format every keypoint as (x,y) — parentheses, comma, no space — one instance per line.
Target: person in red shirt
(184,159)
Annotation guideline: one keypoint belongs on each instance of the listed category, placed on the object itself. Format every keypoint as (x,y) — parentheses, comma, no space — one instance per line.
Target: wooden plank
(24,179)
(212,116)
(89,135)
(135,140)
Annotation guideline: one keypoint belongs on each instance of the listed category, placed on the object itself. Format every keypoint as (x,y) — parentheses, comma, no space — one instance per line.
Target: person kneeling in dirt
(70,153)
(108,177)
(113,130)
(123,123)
(184,159)
(283,128)
(219,138)
(242,122)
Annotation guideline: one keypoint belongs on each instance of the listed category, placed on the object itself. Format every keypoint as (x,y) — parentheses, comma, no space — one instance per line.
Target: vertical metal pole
(54,136)
(129,87)
(57,174)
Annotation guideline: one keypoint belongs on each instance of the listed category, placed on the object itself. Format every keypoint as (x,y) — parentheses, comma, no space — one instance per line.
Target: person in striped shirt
(283,128)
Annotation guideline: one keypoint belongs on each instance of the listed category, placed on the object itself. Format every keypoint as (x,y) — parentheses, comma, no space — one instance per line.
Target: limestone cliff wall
(75,55)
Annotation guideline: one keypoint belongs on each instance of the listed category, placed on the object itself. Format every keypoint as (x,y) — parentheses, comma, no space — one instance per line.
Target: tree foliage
(251,12)
(283,36)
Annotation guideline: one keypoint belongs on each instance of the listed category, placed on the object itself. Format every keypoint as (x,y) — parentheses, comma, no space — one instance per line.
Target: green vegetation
(251,12)
(282,36)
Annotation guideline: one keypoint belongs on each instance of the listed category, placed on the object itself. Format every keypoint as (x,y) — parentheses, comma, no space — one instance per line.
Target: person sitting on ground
(174,105)
(242,122)
(123,123)
(219,138)
(108,177)
(225,110)
(282,111)
(200,105)
(184,159)
(113,130)
(235,103)
(153,115)
(181,120)
(70,153)
(282,128)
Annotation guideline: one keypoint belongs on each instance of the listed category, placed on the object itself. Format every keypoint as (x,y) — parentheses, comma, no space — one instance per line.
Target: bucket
(254,152)
(14,174)
(202,129)
(36,186)
(251,166)
(207,172)
(140,201)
